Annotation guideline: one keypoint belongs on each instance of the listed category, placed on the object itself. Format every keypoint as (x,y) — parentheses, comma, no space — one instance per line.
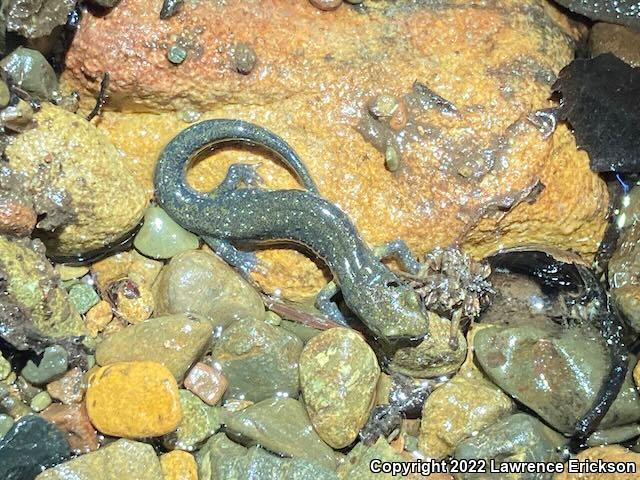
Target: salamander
(240,210)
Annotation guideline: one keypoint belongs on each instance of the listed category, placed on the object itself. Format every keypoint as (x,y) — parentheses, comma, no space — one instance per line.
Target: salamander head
(392,310)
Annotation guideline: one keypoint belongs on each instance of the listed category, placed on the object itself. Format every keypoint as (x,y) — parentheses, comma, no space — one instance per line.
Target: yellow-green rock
(178,465)
(35,299)
(69,154)
(199,422)
(338,377)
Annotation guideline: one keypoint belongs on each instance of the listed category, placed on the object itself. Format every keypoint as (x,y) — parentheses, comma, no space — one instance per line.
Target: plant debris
(601,101)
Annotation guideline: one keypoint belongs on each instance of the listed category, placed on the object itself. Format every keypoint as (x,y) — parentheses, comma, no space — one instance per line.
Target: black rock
(601,101)
(32,445)
(625,12)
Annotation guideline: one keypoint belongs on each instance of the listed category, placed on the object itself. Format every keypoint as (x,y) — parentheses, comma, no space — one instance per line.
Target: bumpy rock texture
(102,199)
(315,76)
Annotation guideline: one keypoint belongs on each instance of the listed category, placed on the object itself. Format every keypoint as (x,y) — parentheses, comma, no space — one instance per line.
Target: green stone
(41,401)
(175,341)
(222,459)
(356,466)
(161,237)
(5,95)
(176,54)
(54,364)
(6,422)
(258,360)
(31,71)
(5,368)
(115,461)
(83,297)
(199,422)
(282,426)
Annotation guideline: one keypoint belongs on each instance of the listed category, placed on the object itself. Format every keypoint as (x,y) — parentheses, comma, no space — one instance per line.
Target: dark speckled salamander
(237,212)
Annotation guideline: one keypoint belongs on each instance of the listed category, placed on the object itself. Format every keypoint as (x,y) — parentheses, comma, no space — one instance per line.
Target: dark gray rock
(31,445)
(625,12)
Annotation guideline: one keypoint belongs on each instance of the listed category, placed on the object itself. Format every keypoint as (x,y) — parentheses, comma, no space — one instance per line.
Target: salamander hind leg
(326,305)
(239,175)
(245,262)
(398,250)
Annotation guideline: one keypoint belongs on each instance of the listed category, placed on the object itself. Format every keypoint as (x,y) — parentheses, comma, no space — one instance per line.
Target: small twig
(169,8)
(290,312)
(101,99)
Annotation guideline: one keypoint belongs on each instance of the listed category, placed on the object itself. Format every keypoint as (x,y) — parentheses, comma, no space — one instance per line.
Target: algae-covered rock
(517,438)
(258,360)
(161,237)
(222,459)
(458,409)
(31,71)
(338,376)
(116,461)
(199,282)
(282,426)
(175,341)
(199,422)
(434,357)
(178,465)
(36,18)
(104,201)
(34,305)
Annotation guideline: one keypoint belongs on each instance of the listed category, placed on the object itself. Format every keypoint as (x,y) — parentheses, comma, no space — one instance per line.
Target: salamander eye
(392,284)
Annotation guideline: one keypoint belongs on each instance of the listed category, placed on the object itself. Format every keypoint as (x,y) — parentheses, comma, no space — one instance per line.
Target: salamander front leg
(398,249)
(245,262)
(326,305)
(239,174)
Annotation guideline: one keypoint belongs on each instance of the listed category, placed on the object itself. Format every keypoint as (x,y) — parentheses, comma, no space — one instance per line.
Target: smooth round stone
(68,389)
(433,357)
(178,465)
(609,453)
(31,445)
(176,54)
(199,282)
(83,297)
(53,365)
(517,438)
(199,422)
(338,376)
(207,382)
(175,341)
(5,367)
(458,409)
(623,42)
(41,401)
(258,360)
(554,373)
(74,422)
(6,422)
(122,459)
(161,237)
(133,400)
(31,71)
(282,426)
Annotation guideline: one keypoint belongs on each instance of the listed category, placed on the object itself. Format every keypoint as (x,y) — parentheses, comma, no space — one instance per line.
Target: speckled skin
(388,308)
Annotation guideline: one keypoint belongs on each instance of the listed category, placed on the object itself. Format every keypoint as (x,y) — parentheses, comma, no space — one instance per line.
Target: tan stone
(178,465)
(208,383)
(133,400)
(623,42)
(98,317)
(68,389)
(314,79)
(610,453)
(74,422)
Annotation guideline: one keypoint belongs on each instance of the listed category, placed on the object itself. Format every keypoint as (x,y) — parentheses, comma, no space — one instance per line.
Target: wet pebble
(132,265)
(83,297)
(5,367)
(258,360)
(70,272)
(282,426)
(553,373)
(54,364)
(338,357)
(178,465)
(458,410)
(622,41)
(326,4)
(199,282)
(17,216)
(5,94)
(133,400)
(161,237)
(31,445)
(434,357)
(176,54)
(244,58)
(98,317)
(70,388)
(175,341)
(31,71)
(6,422)
(207,382)
(133,302)
(74,422)
(40,401)
(116,461)
(199,422)
(610,453)
(517,438)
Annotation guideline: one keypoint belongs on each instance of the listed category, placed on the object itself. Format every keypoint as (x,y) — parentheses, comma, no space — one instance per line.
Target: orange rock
(610,453)
(16,217)
(133,400)
(73,420)
(98,317)
(481,175)
(179,465)
(70,388)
